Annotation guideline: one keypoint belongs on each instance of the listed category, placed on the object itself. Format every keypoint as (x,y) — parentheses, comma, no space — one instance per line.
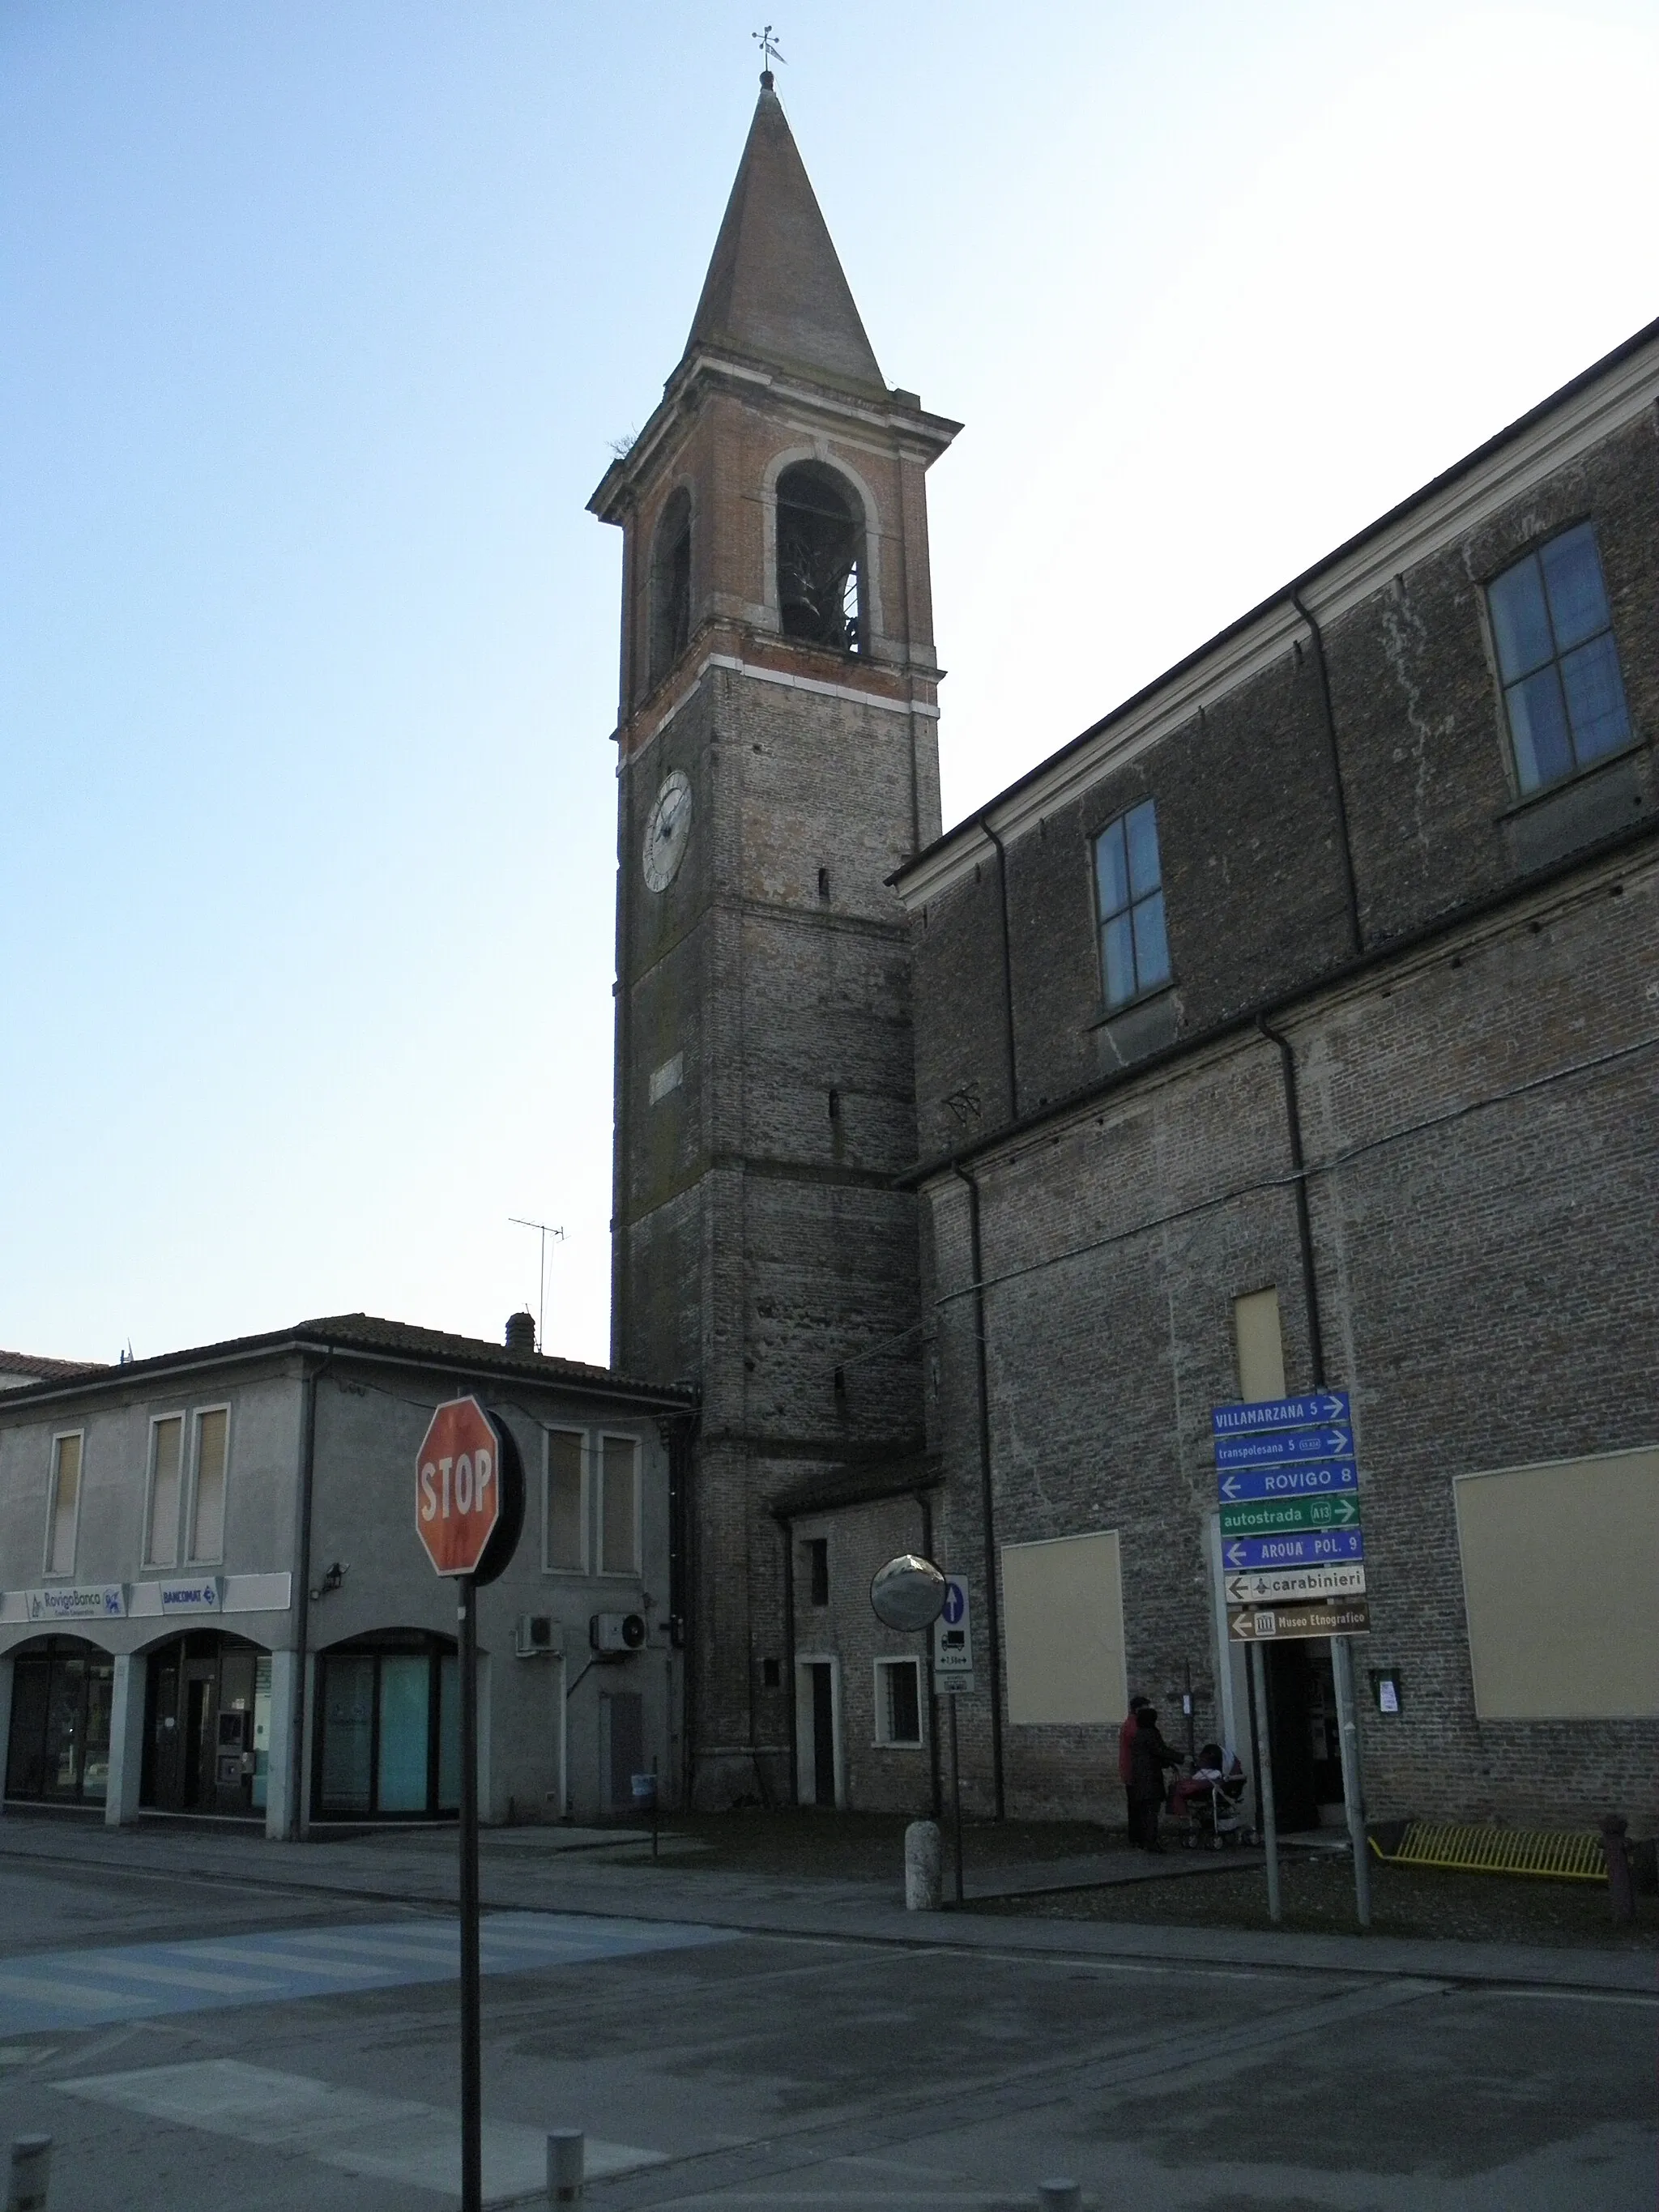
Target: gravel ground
(1318,1898)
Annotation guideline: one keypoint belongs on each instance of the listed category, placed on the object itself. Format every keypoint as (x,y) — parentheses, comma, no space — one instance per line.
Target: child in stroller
(1205,1802)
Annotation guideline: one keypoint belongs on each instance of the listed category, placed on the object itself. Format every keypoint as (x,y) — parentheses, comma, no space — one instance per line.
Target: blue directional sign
(1304,1547)
(1296,1481)
(1328,1442)
(1280,1413)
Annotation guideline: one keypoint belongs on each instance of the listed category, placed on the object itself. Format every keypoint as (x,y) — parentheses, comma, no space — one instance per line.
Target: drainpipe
(1350,889)
(676,1431)
(791,1679)
(302,1602)
(1007,980)
(1303,1221)
(987,1500)
(1354,1778)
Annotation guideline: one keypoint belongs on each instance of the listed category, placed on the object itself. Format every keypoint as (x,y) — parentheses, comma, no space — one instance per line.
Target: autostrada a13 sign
(457,1487)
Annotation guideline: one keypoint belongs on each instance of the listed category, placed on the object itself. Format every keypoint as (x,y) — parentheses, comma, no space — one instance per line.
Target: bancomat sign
(203,1596)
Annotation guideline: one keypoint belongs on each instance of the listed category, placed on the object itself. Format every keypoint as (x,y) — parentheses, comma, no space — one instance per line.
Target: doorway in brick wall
(817,1732)
(1302,1714)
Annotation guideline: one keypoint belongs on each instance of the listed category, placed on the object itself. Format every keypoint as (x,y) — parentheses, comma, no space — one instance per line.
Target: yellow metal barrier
(1498,1851)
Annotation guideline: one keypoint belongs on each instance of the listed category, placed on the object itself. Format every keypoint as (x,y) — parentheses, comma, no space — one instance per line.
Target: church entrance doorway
(207,1726)
(817,1726)
(1302,1716)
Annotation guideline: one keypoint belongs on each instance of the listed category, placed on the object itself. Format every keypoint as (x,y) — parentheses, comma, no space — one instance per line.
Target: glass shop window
(389,1730)
(57,1746)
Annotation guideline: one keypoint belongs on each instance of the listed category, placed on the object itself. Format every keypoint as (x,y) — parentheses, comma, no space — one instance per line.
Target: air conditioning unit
(537,1636)
(616,1632)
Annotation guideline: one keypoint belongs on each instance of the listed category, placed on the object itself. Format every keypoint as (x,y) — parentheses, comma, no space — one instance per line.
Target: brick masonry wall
(1255,898)
(761,1247)
(1488,1289)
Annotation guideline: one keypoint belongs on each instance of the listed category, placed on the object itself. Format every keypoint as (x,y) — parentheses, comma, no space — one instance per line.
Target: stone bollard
(1621,1889)
(567,2161)
(1060,2196)
(924,1862)
(31,2174)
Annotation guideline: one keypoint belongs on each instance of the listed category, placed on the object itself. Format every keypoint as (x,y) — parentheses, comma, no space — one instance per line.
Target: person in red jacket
(1126,1737)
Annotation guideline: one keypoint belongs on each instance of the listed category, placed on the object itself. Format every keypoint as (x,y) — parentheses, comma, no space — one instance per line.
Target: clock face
(667,830)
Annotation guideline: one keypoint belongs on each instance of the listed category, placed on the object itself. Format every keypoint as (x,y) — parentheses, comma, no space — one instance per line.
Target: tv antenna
(767,42)
(518,1221)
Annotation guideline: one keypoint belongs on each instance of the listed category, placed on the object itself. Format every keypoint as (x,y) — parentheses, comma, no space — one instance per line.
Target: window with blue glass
(1553,634)
(1134,951)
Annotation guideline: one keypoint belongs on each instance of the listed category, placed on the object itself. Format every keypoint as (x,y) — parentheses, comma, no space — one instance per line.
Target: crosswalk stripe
(167,1977)
(69,1989)
(282,1962)
(354,2132)
(52,1992)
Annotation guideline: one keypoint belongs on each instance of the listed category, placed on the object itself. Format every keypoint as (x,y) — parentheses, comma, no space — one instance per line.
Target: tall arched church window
(820,559)
(671,586)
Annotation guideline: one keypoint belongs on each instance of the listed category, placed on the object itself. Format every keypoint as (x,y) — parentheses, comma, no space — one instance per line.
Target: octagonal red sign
(458,1491)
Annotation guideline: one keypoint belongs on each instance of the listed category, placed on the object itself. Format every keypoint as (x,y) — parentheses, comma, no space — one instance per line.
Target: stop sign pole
(458,1481)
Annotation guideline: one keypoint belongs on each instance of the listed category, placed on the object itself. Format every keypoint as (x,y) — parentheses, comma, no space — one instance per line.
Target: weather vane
(767,43)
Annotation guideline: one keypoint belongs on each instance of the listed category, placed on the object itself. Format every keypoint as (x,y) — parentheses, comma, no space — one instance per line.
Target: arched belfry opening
(671,585)
(820,558)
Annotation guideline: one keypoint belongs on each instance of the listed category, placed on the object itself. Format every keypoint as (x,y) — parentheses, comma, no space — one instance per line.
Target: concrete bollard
(1621,1890)
(924,1864)
(1060,2196)
(31,2174)
(567,2161)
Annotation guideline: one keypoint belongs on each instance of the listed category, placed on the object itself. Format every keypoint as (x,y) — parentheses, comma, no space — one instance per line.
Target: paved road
(286,2045)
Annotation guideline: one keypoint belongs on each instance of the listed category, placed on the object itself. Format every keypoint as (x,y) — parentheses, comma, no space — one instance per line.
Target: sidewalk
(420,1868)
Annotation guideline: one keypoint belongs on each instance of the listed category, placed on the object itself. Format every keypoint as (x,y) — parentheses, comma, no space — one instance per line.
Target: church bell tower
(777,760)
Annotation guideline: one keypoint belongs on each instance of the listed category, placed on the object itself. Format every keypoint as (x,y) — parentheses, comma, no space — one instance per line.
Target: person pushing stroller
(1149,1757)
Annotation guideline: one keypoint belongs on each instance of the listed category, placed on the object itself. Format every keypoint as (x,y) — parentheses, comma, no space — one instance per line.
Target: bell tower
(777,760)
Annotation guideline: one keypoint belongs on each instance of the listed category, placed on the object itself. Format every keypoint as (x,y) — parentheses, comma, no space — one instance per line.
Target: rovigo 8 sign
(458,1488)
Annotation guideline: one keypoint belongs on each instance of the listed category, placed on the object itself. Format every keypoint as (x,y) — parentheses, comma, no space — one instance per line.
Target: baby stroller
(1205,1803)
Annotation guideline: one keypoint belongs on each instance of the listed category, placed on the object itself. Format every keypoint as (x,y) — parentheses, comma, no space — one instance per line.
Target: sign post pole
(471,2062)
(1353,1775)
(956,1796)
(1261,1729)
(469,1512)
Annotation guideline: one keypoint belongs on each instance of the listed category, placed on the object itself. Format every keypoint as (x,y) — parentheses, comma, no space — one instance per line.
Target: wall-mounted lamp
(332,1578)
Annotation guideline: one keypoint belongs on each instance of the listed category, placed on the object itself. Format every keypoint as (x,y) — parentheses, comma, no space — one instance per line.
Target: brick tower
(778,761)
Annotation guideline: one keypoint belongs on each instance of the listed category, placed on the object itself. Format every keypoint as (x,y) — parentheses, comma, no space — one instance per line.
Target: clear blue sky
(318,321)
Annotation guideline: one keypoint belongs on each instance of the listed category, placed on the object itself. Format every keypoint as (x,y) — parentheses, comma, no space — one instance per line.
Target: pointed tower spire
(775,289)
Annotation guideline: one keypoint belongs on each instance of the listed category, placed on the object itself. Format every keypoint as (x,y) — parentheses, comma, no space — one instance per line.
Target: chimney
(522,1332)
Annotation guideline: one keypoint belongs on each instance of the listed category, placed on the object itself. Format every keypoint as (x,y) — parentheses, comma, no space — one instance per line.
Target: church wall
(1424,747)
(1485,1288)
(1248,833)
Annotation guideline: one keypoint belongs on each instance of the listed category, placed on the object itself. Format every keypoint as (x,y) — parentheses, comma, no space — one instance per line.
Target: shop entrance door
(197,1744)
(200,1707)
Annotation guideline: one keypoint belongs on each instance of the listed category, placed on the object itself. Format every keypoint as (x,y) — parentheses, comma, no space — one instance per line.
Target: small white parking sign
(953,1642)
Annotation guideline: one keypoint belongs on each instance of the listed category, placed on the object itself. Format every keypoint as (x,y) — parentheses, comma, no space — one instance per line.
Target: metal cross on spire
(766,39)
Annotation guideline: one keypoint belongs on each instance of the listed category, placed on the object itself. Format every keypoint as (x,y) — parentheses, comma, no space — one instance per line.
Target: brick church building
(1294,1025)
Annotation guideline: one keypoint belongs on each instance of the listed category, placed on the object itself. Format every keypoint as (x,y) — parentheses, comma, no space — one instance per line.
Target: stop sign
(458,1489)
